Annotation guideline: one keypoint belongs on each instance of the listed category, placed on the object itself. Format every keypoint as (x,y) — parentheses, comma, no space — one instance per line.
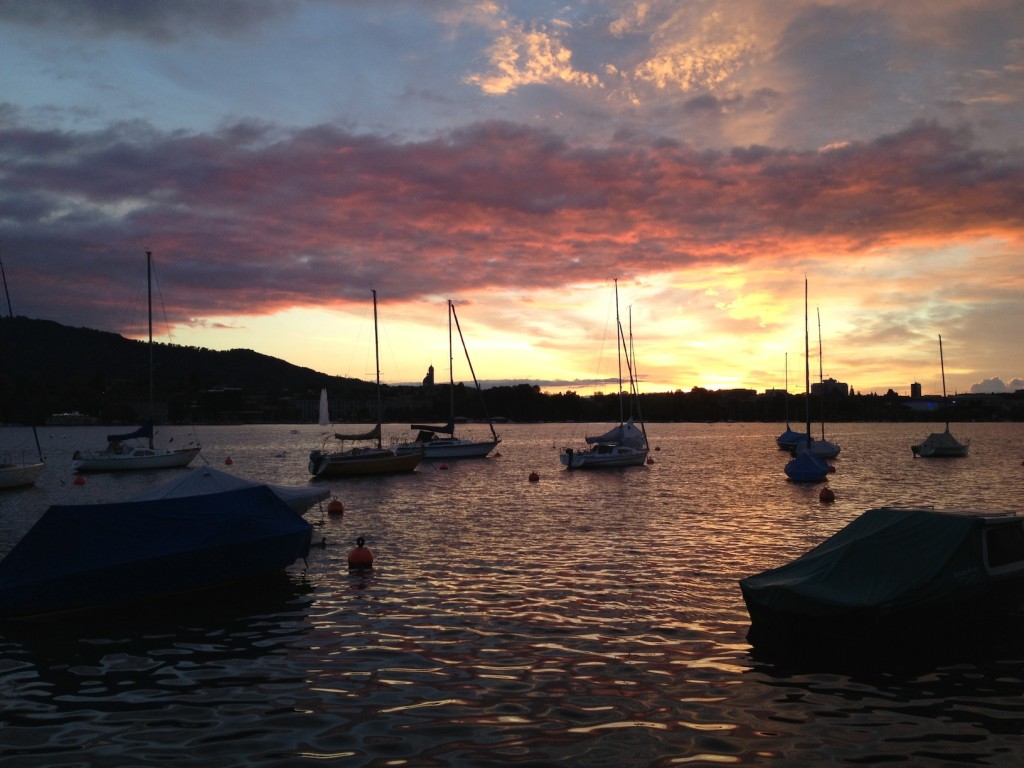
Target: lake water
(585,619)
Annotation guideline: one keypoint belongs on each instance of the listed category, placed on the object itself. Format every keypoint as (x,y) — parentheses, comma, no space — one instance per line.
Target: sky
(281,159)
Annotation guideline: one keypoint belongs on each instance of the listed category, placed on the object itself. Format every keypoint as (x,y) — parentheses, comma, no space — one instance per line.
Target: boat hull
(807,467)
(604,457)
(362,463)
(789,439)
(451,449)
(139,458)
(19,475)
(80,557)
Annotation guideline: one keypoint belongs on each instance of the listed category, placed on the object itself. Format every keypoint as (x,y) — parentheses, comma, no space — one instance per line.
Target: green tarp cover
(886,558)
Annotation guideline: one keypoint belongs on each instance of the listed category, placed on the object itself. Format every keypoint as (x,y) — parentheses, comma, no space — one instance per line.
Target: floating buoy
(657,447)
(228,461)
(79,480)
(534,477)
(360,556)
(335,507)
(826,496)
(443,466)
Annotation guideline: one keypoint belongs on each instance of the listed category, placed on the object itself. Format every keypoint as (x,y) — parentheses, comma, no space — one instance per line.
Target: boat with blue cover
(84,556)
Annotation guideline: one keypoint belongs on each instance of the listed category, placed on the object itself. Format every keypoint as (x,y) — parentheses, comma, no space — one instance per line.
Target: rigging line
(469,362)
(7,292)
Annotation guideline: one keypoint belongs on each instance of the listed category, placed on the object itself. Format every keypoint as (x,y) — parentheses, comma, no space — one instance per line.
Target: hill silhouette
(48,368)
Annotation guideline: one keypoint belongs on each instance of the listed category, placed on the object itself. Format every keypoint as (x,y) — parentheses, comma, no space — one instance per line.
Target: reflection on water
(585,619)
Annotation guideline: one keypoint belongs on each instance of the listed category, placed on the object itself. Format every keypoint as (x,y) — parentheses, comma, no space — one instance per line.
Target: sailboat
(788,440)
(807,467)
(324,418)
(452,447)
(823,448)
(358,461)
(17,474)
(624,445)
(941,445)
(120,455)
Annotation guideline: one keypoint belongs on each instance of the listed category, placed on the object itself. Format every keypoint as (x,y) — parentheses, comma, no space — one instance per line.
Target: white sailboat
(822,448)
(452,447)
(624,445)
(325,412)
(807,467)
(941,445)
(15,474)
(120,455)
(358,460)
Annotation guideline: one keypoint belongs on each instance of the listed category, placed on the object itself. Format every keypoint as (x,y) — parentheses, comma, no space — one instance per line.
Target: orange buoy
(443,466)
(534,477)
(228,461)
(335,507)
(826,496)
(497,455)
(79,480)
(361,556)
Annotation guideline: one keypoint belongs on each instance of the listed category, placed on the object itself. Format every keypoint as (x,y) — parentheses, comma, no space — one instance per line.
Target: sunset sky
(281,158)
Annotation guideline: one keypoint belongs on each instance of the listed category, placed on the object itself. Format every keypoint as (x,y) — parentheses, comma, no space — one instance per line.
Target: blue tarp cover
(146,430)
(92,554)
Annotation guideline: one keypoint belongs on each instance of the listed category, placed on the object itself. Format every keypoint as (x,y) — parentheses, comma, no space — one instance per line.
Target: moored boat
(86,556)
(788,440)
(626,444)
(892,573)
(451,447)
(807,465)
(360,461)
(941,445)
(19,475)
(120,454)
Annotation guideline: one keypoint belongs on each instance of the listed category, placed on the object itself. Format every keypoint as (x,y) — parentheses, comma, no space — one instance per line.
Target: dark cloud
(249,219)
(156,20)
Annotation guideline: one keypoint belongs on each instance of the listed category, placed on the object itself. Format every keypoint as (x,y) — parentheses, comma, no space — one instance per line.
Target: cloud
(996,386)
(256,219)
(531,55)
(161,21)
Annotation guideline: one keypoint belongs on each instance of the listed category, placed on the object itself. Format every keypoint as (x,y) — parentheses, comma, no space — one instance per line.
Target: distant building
(915,391)
(831,387)
(428,380)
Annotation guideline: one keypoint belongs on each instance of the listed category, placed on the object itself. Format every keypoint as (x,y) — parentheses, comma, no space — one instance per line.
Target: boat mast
(451,368)
(942,366)
(807,368)
(490,421)
(618,351)
(10,311)
(149,292)
(634,378)
(376,351)
(6,292)
(821,376)
(786,392)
